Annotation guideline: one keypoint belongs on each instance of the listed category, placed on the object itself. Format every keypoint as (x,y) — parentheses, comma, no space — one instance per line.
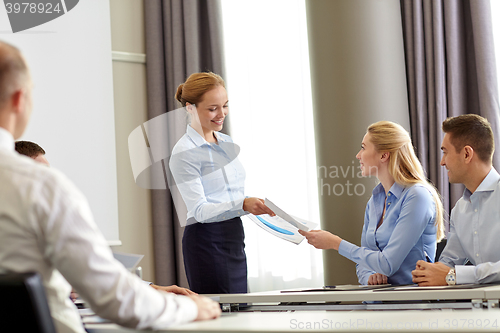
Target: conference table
(466,309)
(365,298)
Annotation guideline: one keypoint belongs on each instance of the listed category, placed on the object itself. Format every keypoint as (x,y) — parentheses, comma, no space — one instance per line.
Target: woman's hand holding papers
(256,206)
(377,278)
(322,239)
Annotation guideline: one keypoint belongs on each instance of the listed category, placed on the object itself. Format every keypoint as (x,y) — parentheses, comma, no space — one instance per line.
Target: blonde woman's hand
(377,278)
(322,239)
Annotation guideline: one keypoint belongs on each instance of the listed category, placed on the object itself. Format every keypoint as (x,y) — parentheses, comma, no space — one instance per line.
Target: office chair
(23,304)
(439,248)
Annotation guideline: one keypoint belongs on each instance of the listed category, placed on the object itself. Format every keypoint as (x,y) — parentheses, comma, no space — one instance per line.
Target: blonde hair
(196,85)
(404,165)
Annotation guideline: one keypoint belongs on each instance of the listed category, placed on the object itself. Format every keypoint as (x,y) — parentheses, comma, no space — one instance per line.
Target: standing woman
(210,178)
(403,218)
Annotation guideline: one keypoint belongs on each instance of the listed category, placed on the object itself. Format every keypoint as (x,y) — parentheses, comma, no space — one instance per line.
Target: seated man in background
(47,227)
(32,150)
(468,147)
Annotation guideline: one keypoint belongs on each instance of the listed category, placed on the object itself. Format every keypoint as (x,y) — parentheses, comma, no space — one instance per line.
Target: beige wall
(129,80)
(358,77)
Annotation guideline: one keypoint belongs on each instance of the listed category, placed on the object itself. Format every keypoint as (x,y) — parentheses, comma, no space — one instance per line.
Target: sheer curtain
(268,81)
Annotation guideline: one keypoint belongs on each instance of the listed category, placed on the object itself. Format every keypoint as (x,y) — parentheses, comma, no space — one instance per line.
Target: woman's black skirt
(214,257)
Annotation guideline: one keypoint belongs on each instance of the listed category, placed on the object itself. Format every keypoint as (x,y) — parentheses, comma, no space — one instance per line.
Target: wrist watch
(451,277)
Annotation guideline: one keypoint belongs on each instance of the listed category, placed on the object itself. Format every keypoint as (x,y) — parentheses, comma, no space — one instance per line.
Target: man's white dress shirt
(46,226)
(475,232)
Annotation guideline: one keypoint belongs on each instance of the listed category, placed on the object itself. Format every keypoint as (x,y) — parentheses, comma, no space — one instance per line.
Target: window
(269,90)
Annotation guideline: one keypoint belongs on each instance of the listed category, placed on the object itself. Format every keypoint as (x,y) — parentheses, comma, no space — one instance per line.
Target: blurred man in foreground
(47,227)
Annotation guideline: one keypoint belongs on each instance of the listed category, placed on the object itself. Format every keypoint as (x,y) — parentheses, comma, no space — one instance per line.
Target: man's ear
(468,153)
(17,101)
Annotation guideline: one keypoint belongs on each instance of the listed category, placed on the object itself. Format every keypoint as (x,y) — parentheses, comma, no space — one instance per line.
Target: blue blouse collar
(396,189)
(198,139)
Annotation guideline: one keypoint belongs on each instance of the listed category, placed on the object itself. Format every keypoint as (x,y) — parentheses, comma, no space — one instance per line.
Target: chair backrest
(440,247)
(23,304)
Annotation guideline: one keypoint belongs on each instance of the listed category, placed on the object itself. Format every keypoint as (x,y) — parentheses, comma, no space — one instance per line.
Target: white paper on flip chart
(295,221)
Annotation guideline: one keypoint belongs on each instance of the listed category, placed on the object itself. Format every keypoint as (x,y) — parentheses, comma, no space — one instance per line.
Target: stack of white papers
(283,225)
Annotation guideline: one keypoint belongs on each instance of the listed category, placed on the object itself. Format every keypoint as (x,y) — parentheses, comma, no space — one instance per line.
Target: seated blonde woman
(403,218)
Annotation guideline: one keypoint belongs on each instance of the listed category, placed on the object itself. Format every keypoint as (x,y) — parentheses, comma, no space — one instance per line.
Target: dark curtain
(450,66)
(182,37)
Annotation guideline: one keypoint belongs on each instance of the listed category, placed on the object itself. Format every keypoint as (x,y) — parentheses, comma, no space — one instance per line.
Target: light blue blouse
(209,177)
(406,235)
